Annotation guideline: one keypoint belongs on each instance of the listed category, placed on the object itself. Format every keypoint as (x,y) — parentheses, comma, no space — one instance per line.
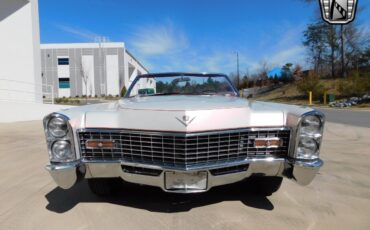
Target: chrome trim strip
(182,134)
(189,168)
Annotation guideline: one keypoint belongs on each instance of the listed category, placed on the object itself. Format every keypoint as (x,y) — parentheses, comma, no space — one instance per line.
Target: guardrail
(22,91)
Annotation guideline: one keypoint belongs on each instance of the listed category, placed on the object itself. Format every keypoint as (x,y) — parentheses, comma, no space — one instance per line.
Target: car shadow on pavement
(154,199)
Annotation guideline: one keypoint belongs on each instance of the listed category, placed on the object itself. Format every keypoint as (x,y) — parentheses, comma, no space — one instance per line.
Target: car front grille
(181,150)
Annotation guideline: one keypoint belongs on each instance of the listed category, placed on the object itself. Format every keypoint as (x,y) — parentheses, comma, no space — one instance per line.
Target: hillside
(289,93)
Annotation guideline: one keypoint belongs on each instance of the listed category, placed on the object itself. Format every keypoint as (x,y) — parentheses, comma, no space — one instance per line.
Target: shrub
(123,91)
(311,82)
(354,86)
(58,100)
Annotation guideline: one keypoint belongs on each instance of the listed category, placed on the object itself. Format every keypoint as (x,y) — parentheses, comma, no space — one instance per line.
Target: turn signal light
(100,144)
(273,142)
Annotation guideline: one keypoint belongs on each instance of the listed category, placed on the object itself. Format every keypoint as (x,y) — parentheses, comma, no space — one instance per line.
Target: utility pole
(342,51)
(237,70)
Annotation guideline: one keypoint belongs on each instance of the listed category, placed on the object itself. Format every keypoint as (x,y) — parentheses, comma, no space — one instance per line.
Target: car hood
(173,103)
(184,114)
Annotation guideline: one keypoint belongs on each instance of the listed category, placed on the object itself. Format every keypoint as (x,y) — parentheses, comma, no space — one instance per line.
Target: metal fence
(22,91)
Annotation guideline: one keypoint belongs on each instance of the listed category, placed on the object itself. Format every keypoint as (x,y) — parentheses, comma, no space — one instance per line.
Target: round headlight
(61,150)
(307,148)
(58,127)
(311,125)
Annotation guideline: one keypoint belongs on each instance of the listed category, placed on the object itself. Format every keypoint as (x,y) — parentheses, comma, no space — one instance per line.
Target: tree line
(333,52)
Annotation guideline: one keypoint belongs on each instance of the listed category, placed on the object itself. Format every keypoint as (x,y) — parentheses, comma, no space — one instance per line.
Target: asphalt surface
(359,118)
(338,198)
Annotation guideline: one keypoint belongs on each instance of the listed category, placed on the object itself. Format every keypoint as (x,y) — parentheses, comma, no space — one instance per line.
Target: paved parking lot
(347,116)
(339,197)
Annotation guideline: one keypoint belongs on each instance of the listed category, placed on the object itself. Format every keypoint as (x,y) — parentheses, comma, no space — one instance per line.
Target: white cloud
(289,37)
(159,40)
(293,54)
(82,34)
(166,48)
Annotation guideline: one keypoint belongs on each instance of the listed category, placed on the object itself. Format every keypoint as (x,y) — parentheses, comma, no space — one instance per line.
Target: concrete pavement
(338,198)
(359,118)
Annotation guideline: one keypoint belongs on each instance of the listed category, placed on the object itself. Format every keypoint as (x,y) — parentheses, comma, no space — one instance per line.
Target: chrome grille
(181,149)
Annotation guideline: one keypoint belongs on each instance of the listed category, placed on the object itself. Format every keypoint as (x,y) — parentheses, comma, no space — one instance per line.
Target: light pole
(237,70)
(102,69)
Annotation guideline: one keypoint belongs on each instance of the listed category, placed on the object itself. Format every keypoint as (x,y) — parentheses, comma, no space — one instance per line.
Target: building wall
(104,64)
(132,68)
(20,51)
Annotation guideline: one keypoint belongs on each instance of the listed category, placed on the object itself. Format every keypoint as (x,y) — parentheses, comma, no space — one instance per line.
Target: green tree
(314,40)
(286,73)
(332,41)
(311,82)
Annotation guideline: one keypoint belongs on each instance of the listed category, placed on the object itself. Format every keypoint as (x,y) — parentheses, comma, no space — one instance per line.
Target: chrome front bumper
(303,172)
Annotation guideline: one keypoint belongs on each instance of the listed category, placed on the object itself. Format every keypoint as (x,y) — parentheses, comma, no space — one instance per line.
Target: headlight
(311,125)
(62,151)
(59,138)
(307,148)
(309,135)
(57,127)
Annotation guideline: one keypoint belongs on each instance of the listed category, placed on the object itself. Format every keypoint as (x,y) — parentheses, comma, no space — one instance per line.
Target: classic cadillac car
(184,133)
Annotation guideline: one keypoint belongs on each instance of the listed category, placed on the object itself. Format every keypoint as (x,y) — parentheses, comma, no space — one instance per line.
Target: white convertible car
(184,133)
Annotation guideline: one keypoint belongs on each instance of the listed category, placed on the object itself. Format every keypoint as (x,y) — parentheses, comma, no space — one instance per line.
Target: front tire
(104,186)
(266,186)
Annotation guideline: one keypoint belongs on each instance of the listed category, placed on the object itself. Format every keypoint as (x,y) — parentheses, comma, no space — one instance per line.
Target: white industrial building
(93,69)
(20,65)
(27,74)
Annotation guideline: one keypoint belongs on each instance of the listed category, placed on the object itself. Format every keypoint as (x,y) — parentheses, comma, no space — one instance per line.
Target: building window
(63,61)
(64,83)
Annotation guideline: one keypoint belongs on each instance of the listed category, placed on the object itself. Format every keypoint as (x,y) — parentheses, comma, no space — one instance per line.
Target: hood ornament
(185,120)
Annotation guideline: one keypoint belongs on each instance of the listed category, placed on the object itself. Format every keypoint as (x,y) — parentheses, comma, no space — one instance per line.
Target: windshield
(181,85)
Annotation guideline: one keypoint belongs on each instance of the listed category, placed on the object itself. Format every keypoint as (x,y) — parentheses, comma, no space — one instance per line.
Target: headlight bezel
(67,147)
(308,130)
(52,139)
(51,132)
(315,136)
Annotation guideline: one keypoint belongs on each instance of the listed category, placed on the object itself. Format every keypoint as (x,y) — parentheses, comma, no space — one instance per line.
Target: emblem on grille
(338,11)
(185,120)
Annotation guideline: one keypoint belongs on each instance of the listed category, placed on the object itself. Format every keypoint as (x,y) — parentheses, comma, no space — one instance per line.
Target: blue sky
(189,35)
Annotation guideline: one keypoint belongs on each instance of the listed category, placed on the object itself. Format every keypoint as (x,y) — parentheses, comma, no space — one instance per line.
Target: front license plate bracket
(186,181)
